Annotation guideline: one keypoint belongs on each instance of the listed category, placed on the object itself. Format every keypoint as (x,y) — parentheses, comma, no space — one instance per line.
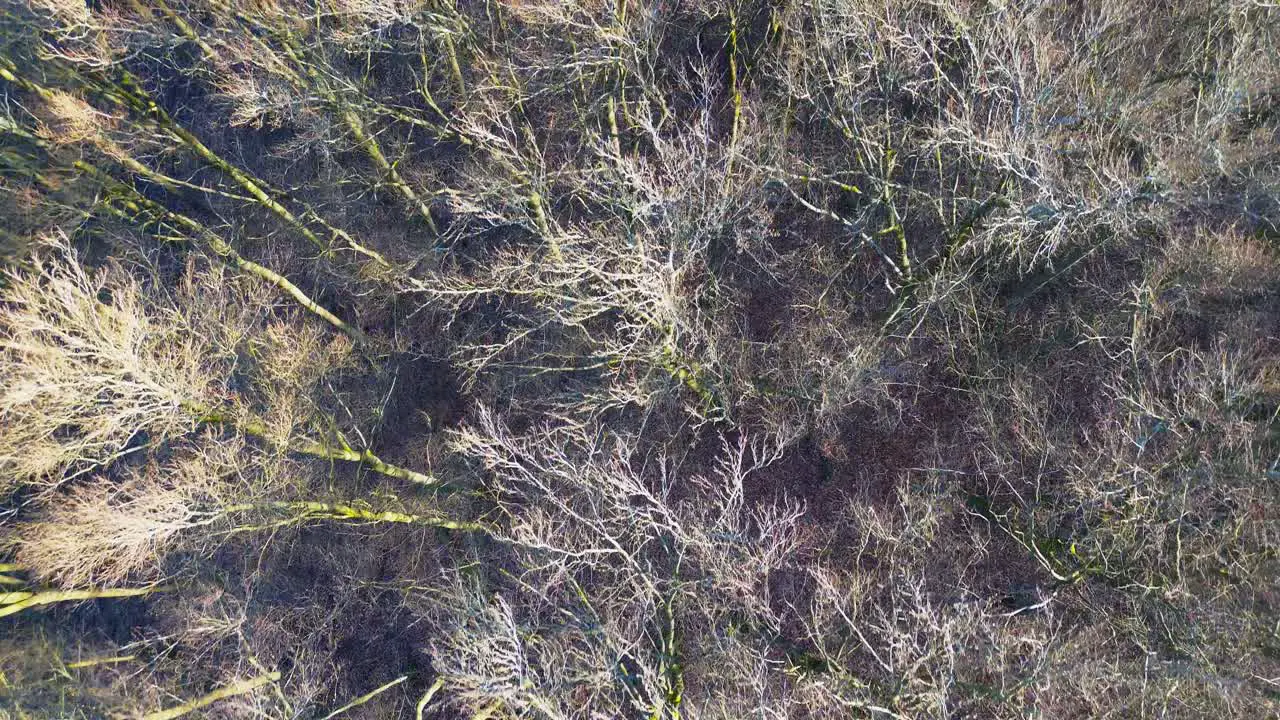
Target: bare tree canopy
(642,359)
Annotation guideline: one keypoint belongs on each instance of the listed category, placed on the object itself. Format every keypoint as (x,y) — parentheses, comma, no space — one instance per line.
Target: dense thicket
(640,359)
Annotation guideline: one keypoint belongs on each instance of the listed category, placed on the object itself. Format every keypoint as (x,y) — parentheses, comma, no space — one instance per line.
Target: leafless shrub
(87,368)
(105,533)
(595,530)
